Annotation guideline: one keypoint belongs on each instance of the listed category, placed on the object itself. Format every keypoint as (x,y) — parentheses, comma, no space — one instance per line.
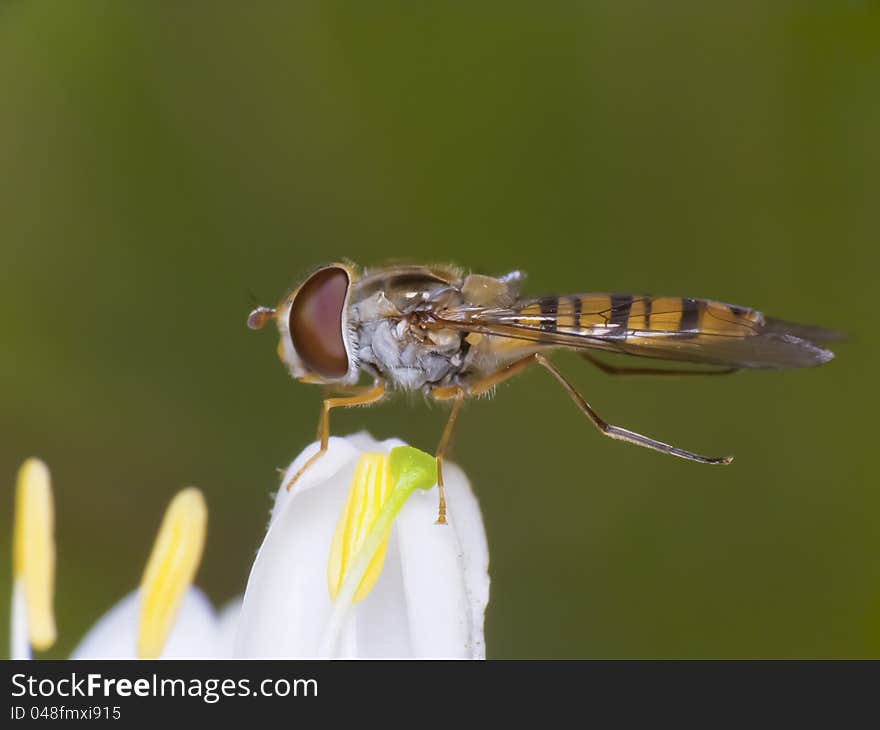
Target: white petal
(19,641)
(227,627)
(381,618)
(339,453)
(467,521)
(196,629)
(428,601)
(114,635)
(363,441)
(286,603)
(445,571)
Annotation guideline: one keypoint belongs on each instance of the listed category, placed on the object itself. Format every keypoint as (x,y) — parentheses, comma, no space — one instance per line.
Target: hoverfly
(455,336)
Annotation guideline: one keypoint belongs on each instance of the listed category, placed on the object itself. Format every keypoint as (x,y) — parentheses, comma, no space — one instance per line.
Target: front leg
(366,397)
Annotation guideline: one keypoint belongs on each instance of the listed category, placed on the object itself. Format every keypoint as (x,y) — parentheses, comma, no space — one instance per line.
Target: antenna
(257,319)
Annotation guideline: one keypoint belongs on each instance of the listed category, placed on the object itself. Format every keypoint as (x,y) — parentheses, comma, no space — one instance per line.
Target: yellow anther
(370,488)
(171,568)
(33,550)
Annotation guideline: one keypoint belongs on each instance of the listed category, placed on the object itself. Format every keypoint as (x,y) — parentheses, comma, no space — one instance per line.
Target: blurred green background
(163,167)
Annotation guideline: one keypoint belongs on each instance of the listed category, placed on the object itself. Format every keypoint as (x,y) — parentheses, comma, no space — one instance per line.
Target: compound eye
(316,322)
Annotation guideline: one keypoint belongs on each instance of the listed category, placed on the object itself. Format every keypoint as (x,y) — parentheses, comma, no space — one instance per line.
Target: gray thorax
(408,357)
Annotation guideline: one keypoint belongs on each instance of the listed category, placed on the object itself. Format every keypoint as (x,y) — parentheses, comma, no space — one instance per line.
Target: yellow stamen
(171,568)
(33,550)
(370,488)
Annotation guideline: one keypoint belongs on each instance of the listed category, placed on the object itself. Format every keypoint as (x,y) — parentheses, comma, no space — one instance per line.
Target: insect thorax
(406,356)
(389,309)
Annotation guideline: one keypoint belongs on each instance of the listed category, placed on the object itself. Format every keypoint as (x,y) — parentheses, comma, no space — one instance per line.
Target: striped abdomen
(624,316)
(669,328)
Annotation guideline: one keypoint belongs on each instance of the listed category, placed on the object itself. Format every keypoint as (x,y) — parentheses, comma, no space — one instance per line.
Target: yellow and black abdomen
(670,328)
(626,316)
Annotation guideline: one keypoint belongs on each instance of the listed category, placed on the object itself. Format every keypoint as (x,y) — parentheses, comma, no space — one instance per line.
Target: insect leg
(369,395)
(456,394)
(499,376)
(612,370)
(622,434)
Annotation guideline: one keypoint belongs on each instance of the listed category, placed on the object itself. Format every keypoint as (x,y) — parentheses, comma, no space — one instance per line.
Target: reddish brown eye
(316,323)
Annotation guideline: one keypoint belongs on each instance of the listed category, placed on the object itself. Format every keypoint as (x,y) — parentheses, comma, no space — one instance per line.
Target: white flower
(198,632)
(352,566)
(429,597)
(166,617)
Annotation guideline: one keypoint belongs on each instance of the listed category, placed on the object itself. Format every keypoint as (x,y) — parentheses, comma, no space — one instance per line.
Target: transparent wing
(667,328)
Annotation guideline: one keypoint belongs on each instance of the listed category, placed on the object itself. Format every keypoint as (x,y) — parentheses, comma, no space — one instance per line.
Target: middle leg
(456,394)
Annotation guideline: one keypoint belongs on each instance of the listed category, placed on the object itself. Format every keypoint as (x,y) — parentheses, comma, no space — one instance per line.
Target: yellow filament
(370,488)
(171,568)
(33,550)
